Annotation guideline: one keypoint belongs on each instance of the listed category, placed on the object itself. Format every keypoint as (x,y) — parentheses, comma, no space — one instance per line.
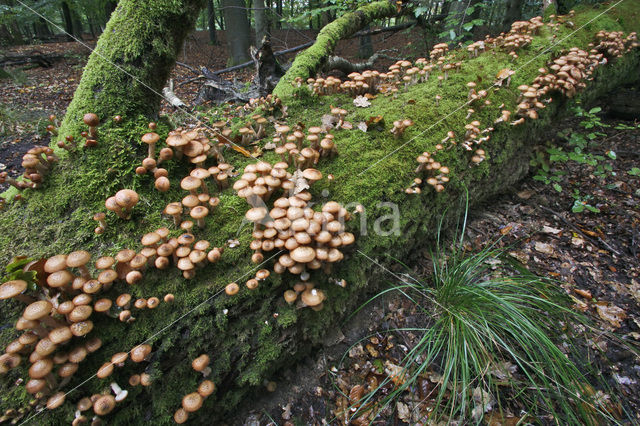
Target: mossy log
(252,335)
(309,62)
(132,60)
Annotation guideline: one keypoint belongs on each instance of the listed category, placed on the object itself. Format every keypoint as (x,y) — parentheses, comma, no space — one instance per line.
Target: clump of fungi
(192,402)
(122,203)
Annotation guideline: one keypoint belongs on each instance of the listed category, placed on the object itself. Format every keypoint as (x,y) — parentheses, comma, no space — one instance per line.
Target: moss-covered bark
(309,61)
(127,70)
(248,343)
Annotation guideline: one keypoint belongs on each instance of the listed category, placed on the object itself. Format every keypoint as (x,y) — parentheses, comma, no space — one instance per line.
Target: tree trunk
(309,61)
(68,22)
(512,14)
(211,22)
(279,13)
(143,63)
(365,46)
(261,22)
(238,31)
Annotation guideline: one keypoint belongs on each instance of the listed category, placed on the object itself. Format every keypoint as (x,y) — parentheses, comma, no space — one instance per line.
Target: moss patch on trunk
(249,344)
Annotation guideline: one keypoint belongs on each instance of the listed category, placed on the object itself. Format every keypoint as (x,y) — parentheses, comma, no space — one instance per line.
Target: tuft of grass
(492,336)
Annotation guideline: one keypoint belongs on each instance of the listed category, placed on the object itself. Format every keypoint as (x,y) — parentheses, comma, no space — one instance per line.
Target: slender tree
(513,13)
(211,22)
(238,30)
(261,21)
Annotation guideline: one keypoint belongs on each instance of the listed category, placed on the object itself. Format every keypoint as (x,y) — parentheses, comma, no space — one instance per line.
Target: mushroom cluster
(399,126)
(37,163)
(193,401)
(122,203)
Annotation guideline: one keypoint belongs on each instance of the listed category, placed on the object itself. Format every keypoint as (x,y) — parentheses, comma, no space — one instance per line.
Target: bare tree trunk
(261,22)
(365,48)
(211,22)
(513,13)
(238,30)
(279,13)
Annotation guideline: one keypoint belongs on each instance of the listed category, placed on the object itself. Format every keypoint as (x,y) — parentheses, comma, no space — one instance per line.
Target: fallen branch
(582,234)
(347,67)
(308,62)
(308,44)
(35,57)
(171,97)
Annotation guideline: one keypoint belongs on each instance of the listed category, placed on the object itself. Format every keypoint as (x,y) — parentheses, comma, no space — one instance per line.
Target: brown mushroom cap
(232,289)
(119,357)
(303,254)
(104,405)
(12,288)
(91,119)
(40,368)
(78,258)
(81,328)
(60,335)
(206,388)
(127,198)
(192,402)
(200,363)
(105,262)
(80,313)
(150,138)
(140,352)
(105,370)
(312,297)
(102,305)
(37,310)
(55,400)
(180,416)
(55,263)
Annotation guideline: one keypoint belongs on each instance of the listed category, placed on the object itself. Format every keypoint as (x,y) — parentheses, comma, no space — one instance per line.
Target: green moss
(128,68)
(244,349)
(309,61)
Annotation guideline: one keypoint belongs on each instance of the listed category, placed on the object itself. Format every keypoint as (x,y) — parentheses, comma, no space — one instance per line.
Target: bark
(309,61)
(238,30)
(365,47)
(144,43)
(513,13)
(211,22)
(261,21)
(68,22)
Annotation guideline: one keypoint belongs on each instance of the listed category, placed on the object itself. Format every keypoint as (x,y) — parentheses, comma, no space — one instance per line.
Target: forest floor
(595,256)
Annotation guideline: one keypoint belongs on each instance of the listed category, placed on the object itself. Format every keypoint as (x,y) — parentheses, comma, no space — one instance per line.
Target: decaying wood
(171,97)
(341,64)
(268,73)
(35,57)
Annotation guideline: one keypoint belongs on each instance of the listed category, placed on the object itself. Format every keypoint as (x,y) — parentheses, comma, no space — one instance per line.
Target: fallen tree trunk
(309,62)
(252,336)
(37,58)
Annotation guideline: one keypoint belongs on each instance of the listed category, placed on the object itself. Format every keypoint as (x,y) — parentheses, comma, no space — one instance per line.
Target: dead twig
(582,234)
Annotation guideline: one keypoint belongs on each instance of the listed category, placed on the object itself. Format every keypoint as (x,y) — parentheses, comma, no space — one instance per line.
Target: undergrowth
(492,338)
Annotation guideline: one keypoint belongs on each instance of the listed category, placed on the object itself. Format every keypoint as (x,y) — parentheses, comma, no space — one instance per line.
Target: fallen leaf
(363,126)
(526,194)
(347,125)
(329,121)
(269,146)
(370,96)
(549,230)
(543,248)
(611,313)
(584,293)
(404,413)
(300,183)
(241,150)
